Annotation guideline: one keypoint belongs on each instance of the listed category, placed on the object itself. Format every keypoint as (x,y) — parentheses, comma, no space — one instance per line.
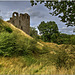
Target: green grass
(14,42)
(22,54)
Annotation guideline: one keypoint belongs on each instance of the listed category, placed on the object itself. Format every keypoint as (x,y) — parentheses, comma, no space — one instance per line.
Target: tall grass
(17,65)
(21,54)
(13,44)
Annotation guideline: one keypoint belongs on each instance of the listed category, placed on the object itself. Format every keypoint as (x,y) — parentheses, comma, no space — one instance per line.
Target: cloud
(37,13)
(68,30)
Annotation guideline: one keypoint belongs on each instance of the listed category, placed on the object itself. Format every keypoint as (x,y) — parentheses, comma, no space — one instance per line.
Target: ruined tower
(21,21)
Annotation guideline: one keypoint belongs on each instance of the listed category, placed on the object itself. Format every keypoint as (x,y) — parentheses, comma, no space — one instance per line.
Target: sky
(37,14)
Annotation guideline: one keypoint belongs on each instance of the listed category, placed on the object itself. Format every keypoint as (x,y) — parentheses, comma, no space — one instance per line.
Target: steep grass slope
(15,41)
(21,54)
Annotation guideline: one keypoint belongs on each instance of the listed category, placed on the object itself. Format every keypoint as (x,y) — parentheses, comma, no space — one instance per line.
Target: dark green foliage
(65,11)
(63,7)
(4,27)
(65,39)
(47,30)
(11,45)
(49,33)
(8,29)
(7,44)
(27,46)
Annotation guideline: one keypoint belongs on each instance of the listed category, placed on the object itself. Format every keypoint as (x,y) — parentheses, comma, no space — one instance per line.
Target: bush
(7,44)
(8,29)
(12,44)
(3,27)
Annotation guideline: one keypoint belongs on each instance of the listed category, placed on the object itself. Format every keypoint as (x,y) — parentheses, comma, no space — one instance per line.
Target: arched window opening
(15,15)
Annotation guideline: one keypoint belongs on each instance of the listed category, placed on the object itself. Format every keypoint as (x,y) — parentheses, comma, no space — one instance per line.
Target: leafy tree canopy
(47,29)
(62,9)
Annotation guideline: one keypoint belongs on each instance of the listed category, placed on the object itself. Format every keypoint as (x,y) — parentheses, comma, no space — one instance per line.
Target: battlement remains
(21,21)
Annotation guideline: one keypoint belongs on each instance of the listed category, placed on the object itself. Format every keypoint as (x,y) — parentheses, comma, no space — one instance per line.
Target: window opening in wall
(19,23)
(27,17)
(15,15)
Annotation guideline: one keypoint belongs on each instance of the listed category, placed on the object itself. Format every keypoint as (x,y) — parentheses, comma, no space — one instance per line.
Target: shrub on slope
(14,41)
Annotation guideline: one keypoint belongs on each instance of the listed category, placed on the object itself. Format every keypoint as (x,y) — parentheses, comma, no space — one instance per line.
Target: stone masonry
(21,21)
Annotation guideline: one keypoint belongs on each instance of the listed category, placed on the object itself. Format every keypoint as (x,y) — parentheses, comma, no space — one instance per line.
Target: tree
(66,8)
(47,30)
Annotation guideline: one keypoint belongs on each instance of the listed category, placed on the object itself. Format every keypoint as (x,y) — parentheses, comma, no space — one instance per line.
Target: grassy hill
(22,54)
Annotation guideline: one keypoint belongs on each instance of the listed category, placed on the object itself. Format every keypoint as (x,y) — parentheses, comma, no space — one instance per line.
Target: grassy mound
(22,54)
(16,42)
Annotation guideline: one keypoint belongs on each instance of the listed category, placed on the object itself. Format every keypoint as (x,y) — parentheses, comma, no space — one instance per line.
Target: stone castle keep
(21,21)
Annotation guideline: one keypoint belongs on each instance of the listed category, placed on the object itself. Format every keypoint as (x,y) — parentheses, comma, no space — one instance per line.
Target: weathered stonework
(21,21)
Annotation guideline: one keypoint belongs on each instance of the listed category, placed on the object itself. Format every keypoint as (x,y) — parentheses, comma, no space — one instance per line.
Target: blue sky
(37,14)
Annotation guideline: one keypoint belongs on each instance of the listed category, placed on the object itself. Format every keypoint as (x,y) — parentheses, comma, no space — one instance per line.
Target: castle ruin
(21,21)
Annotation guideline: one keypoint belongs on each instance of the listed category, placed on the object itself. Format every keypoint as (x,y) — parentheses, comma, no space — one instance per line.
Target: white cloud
(37,14)
(68,30)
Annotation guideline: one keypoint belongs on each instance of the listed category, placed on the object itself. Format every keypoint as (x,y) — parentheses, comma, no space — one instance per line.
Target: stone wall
(21,21)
